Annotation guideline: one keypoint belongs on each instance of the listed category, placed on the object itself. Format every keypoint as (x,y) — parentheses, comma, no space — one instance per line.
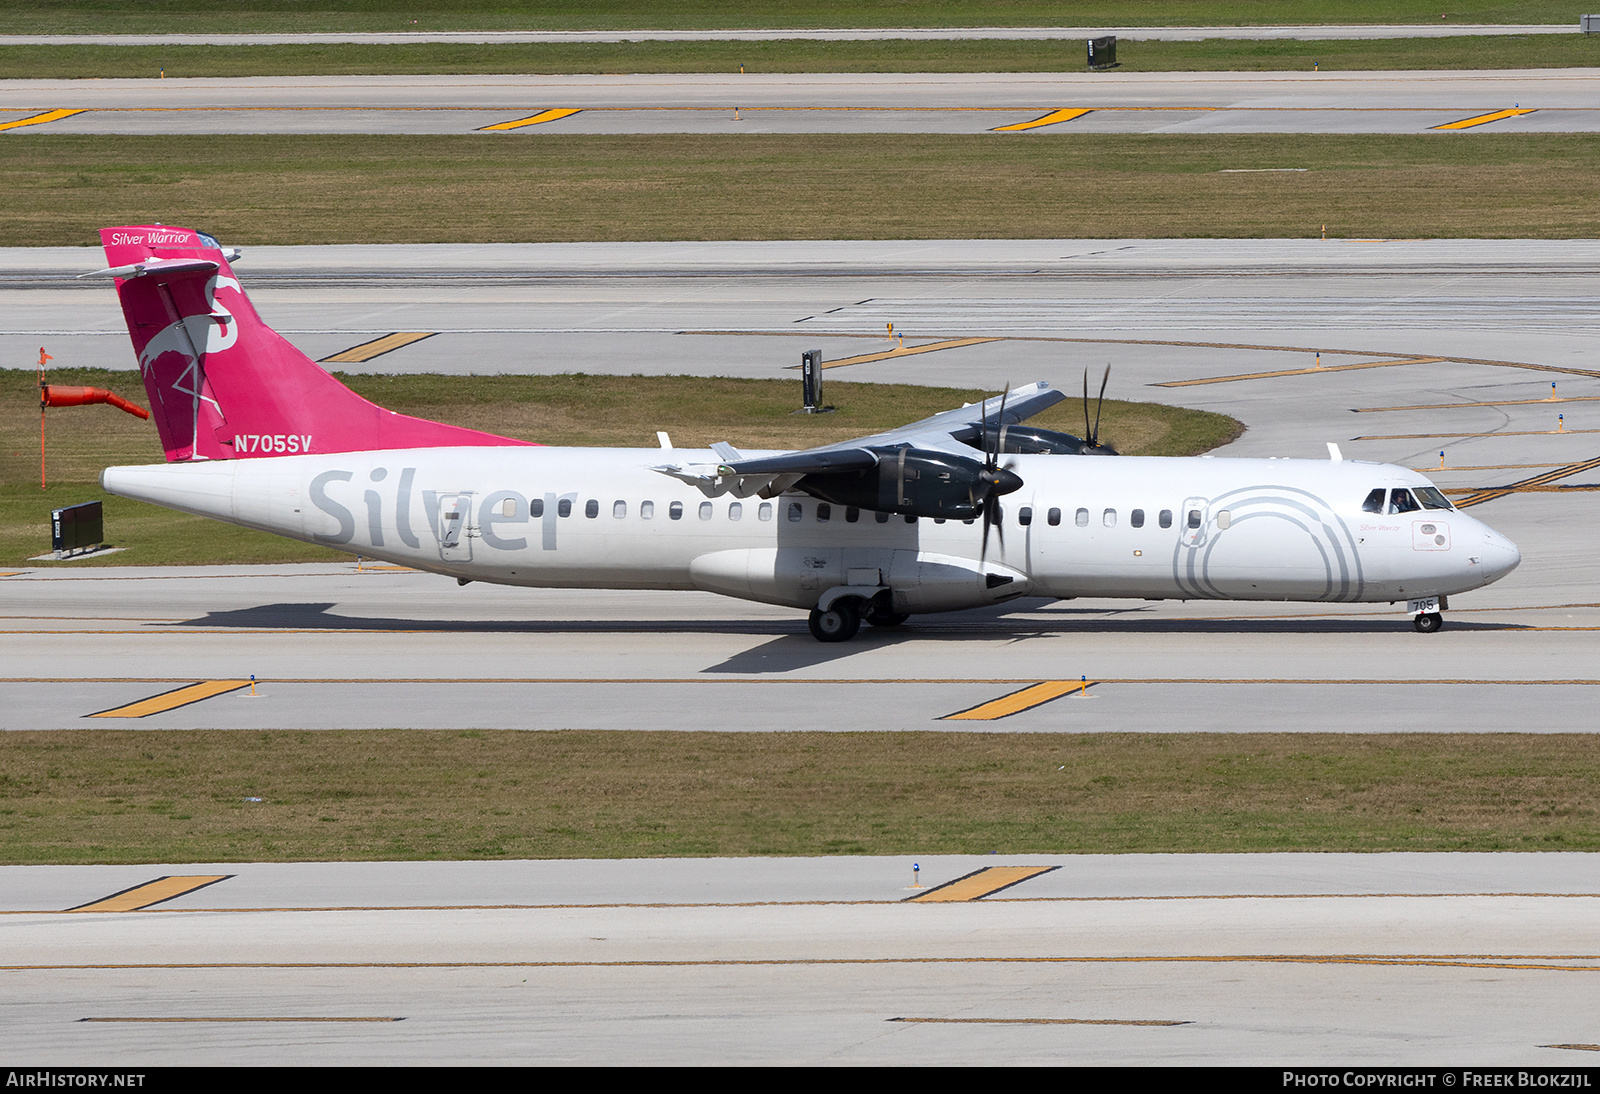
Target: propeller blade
(1086,431)
(1094,438)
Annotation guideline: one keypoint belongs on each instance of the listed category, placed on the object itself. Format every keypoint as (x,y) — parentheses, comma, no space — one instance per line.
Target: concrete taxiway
(1394,350)
(1525,101)
(1365,959)
(1358,960)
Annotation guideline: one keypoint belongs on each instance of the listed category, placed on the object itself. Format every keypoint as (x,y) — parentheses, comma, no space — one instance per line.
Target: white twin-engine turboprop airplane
(875,529)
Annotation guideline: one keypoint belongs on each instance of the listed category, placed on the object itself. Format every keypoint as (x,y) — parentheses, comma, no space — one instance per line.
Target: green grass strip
(179,796)
(1211,55)
(157,16)
(534,187)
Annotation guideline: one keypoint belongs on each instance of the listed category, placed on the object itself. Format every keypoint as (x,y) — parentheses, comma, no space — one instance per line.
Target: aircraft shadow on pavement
(1013,622)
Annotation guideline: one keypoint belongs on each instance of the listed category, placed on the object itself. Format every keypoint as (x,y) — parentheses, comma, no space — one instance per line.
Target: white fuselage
(1160,528)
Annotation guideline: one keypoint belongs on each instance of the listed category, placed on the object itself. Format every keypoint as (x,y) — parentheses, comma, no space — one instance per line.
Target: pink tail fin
(223,384)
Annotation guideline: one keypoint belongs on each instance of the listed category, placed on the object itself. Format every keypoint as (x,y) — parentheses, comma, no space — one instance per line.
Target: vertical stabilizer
(224,385)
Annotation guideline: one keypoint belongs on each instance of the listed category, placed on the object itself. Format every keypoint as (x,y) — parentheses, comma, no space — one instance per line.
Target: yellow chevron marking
(151,892)
(1482,119)
(1055,117)
(366,351)
(535,119)
(40,119)
(980,883)
(171,700)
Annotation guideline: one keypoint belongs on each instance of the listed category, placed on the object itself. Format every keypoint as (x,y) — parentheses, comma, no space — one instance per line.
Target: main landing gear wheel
(838,624)
(1427,622)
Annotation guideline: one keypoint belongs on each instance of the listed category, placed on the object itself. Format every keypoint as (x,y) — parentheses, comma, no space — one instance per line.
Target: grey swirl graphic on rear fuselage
(1325,529)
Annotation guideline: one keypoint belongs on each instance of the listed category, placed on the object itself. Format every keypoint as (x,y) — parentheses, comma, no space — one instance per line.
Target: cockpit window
(1432,499)
(1374,502)
(1401,501)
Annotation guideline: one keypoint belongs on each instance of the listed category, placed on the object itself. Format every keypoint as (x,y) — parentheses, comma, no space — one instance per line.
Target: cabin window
(911,518)
(564,507)
(938,520)
(881,518)
(735,510)
(1374,502)
(1166,518)
(619,509)
(705,510)
(536,507)
(824,513)
(1110,518)
(675,510)
(1194,518)
(591,508)
(508,508)
(765,512)
(647,510)
(794,512)
(1054,517)
(851,514)
(1081,518)
(1224,518)
(1025,516)
(1136,518)
(1401,501)
(1432,499)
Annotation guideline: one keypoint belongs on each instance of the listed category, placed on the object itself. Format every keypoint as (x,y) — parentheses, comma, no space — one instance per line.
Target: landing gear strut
(1427,622)
(838,624)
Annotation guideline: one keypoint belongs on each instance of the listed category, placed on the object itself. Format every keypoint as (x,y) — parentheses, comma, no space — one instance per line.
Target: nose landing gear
(1427,622)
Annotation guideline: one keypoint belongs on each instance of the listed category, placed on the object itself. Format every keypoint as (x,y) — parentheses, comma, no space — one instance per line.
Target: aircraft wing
(944,432)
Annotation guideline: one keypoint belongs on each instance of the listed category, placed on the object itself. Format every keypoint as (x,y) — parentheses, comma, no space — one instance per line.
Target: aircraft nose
(1500,556)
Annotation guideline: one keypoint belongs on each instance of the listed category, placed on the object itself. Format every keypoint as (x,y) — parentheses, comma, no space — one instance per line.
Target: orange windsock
(56,395)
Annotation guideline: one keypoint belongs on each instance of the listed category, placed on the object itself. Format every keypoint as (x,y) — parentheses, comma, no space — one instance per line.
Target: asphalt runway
(1454,960)
(1534,100)
(1365,959)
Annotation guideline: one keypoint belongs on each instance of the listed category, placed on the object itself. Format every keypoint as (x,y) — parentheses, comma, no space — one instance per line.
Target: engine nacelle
(916,482)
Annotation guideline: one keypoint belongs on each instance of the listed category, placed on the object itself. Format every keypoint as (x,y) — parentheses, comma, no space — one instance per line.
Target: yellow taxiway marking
(1055,117)
(366,351)
(255,1018)
(40,119)
(1017,701)
(1049,1021)
(979,884)
(1580,1048)
(11,573)
(1298,372)
(1526,962)
(1482,119)
(151,892)
(302,909)
(1425,436)
(1481,467)
(1527,484)
(534,119)
(171,700)
(1492,402)
(904,351)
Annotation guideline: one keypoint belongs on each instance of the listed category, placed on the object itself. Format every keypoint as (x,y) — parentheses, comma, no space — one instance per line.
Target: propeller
(995,480)
(1091,434)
